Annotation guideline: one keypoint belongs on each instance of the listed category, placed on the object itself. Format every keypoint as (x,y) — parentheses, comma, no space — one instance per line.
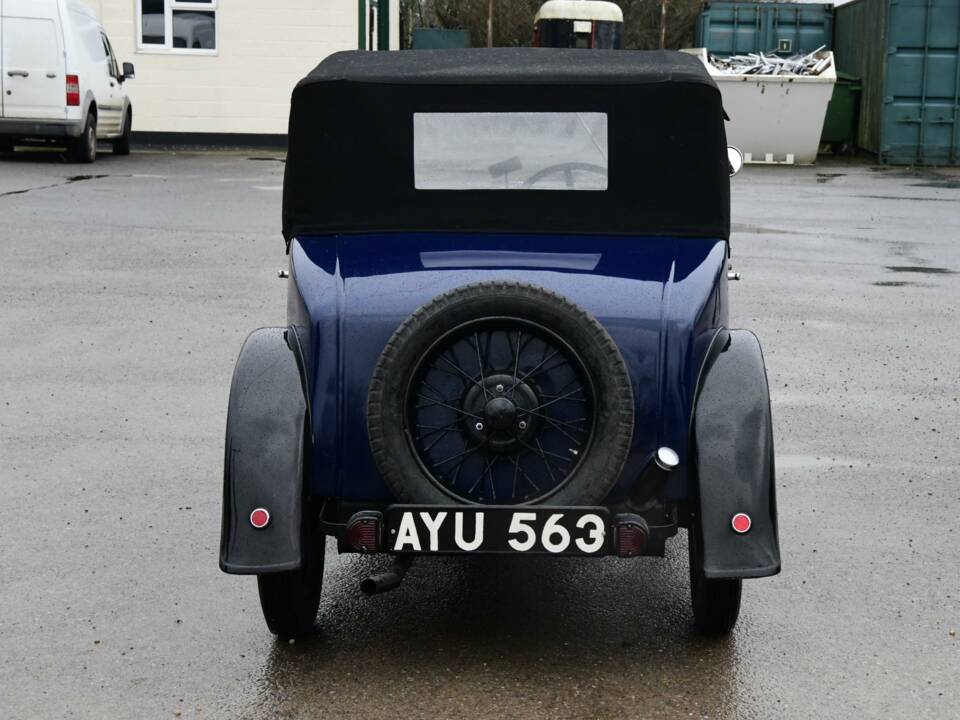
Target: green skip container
(732,28)
(907,55)
(843,114)
(439,39)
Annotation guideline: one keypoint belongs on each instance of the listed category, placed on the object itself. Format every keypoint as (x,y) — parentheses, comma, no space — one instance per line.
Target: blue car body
(662,299)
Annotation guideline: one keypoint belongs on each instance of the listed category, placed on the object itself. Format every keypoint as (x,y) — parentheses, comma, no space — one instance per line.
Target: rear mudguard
(267,431)
(733,441)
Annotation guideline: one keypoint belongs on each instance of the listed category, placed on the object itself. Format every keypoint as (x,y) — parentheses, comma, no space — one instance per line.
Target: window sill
(176,51)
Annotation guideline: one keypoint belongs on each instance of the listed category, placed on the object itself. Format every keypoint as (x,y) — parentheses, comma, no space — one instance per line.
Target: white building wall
(263,49)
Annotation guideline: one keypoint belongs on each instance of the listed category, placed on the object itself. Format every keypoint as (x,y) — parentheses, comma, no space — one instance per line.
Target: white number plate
(459,529)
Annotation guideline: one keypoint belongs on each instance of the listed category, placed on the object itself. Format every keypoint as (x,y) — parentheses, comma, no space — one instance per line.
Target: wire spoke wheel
(500,393)
(500,411)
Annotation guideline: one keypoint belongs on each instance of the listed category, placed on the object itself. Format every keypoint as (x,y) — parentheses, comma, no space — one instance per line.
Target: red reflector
(630,539)
(260,518)
(741,523)
(73,90)
(363,532)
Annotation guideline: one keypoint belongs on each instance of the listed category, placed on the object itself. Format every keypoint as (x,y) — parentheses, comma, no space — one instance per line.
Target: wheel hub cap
(501,413)
(503,407)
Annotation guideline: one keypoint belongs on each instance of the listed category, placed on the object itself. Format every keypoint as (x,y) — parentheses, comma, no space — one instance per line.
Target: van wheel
(121,146)
(6,148)
(716,603)
(84,148)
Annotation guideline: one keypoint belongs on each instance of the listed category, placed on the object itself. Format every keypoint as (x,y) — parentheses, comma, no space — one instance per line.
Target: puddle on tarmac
(81,178)
(920,269)
(945,184)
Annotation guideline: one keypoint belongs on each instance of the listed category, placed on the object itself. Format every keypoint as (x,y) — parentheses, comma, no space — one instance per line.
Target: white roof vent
(579,10)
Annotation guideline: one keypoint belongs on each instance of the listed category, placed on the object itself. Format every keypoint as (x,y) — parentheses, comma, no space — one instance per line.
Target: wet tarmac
(124,298)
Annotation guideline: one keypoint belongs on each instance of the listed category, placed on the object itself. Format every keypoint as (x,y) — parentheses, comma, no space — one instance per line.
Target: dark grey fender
(263,466)
(733,446)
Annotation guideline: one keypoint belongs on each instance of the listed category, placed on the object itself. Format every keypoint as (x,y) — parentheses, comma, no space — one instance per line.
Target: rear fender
(733,451)
(267,433)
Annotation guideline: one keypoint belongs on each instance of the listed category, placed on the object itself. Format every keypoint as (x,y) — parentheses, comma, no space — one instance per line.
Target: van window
(510,151)
(29,43)
(111,58)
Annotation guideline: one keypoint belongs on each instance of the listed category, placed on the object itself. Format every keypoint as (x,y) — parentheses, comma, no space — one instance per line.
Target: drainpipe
(383,25)
(361,24)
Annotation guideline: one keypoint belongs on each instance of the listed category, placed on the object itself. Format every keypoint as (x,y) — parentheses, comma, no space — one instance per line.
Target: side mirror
(734,160)
(128,73)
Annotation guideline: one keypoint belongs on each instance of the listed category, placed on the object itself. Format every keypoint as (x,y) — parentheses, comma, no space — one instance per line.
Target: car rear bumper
(20,128)
(385,524)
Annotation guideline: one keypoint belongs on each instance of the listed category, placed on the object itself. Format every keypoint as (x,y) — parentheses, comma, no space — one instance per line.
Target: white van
(59,80)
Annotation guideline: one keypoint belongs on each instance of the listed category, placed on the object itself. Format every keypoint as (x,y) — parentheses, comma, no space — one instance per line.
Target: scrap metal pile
(770,64)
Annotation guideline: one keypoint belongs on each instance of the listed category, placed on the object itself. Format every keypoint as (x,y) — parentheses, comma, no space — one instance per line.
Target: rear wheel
(84,148)
(716,603)
(290,600)
(121,146)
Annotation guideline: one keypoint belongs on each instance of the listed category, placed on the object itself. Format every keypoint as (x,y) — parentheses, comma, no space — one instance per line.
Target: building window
(178,25)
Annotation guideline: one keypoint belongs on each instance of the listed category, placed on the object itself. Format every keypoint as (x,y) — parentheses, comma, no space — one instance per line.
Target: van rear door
(31,42)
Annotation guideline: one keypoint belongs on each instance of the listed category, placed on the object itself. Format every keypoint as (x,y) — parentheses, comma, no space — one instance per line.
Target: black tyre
(500,393)
(84,148)
(290,600)
(6,147)
(716,603)
(121,146)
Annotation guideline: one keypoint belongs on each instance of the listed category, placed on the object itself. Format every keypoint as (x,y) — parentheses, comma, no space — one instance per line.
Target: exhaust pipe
(381,582)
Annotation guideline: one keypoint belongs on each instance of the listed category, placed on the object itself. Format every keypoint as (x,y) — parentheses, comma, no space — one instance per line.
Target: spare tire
(500,393)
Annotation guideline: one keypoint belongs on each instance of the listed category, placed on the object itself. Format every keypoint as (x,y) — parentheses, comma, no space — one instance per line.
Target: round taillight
(741,523)
(260,518)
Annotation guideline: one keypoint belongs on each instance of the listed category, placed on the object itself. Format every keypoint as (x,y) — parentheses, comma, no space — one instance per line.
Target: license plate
(533,530)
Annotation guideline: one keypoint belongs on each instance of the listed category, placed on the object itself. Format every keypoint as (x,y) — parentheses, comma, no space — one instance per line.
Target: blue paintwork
(661,299)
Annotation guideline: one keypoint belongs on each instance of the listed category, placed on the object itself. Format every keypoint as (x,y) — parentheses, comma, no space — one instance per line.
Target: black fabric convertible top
(350,155)
(509,66)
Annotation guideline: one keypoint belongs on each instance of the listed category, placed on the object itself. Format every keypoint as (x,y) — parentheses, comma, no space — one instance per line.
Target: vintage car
(507,329)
